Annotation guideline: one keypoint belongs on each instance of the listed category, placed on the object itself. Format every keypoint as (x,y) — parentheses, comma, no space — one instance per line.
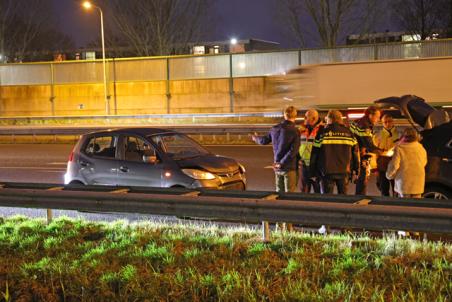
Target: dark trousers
(307,183)
(363,178)
(329,181)
(384,184)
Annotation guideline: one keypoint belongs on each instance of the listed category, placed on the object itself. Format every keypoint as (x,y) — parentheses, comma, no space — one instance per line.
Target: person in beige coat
(407,166)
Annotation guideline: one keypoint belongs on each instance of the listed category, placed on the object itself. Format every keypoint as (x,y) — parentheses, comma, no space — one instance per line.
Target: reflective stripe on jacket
(306,142)
(362,129)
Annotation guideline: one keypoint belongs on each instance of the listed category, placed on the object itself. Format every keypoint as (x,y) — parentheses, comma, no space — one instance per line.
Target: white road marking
(57,163)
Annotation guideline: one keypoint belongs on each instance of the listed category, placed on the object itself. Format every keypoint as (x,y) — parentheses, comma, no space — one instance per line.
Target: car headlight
(242,168)
(198,174)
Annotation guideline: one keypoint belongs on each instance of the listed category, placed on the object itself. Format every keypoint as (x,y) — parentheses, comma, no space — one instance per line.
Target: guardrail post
(52,88)
(265,231)
(107,88)
(168,87)
(49,216)
(231,85)
(376,52)
(115,100)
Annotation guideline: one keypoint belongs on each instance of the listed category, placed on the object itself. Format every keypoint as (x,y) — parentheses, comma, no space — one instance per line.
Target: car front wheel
(437,192)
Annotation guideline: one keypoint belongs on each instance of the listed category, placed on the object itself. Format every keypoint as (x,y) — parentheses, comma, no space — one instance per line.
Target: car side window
(101,146)
(135,148)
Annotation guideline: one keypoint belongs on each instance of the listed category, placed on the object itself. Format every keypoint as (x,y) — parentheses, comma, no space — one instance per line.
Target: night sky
(242,19)
(236,18)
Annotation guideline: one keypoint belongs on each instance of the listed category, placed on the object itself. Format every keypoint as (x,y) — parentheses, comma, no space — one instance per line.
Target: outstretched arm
(262,140)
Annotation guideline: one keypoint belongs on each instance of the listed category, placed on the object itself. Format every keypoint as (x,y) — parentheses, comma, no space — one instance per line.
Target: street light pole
(89,5)
(104,65)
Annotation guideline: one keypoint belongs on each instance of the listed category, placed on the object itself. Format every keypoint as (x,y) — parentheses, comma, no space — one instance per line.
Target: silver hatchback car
(150,157)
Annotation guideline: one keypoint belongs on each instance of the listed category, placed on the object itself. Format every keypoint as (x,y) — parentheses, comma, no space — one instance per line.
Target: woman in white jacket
(407,166)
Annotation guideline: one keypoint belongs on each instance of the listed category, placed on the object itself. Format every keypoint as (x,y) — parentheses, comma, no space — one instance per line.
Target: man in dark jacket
(363,131)
(335,154)
(285,139)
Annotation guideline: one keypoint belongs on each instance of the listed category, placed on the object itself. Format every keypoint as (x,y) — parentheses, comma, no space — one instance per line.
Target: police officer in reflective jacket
(363,130)
(335,154)
(313,125)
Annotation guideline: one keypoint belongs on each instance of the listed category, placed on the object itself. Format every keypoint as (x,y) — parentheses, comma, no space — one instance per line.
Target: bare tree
(422,17)
(449,24)
(8,15)
(330,18)
(156,27)
(35,17)
(28,26)
(290,12)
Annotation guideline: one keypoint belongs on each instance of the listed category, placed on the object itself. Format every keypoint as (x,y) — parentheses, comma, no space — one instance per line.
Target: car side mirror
(151,159)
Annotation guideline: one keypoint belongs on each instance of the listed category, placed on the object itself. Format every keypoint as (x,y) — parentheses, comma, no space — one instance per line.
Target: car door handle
(83,163)
(124,169)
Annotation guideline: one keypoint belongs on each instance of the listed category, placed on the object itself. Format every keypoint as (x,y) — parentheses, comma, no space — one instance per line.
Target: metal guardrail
(373,213)
(231,128)
(110,118)
(201,129)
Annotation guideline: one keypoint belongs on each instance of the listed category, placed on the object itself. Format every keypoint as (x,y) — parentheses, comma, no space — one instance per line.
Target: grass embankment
(70,260)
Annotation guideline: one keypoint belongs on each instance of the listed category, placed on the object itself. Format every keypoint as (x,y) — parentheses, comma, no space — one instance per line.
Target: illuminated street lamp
(88,5)
(233,41)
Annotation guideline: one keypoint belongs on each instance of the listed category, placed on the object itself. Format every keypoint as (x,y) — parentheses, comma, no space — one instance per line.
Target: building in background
(232,46)
(388,37)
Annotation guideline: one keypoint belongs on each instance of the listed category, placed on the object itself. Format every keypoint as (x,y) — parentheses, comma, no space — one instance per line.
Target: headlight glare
(198,174)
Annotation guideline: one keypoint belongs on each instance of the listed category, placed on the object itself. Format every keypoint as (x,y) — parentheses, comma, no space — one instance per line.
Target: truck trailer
(358,84)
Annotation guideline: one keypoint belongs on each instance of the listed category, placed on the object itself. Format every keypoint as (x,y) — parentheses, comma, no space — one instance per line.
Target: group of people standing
(331,154)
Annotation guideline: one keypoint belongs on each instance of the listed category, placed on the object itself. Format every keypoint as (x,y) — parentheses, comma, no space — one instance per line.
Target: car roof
(142,131)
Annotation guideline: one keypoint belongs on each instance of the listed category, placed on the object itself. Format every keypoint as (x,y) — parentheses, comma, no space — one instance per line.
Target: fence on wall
(230,66)
(211,66)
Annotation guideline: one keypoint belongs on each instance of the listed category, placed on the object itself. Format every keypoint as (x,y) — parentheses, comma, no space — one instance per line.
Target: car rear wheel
(437,192)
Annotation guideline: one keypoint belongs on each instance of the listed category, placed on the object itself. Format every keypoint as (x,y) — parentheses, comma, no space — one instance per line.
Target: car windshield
(178,146)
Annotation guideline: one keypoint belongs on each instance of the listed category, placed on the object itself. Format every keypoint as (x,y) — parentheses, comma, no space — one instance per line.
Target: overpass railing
(211,66)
